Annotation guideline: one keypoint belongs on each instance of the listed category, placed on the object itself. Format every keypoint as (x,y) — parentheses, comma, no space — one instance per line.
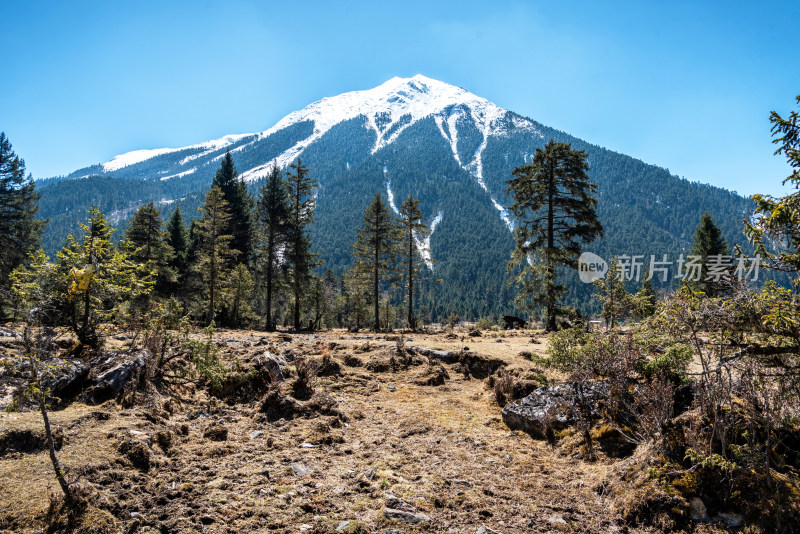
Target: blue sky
(684,85)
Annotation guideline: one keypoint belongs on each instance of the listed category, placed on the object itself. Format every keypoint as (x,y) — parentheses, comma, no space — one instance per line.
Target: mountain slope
(449,148)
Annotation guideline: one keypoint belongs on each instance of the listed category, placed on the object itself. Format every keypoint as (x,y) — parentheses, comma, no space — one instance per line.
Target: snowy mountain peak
(389,109)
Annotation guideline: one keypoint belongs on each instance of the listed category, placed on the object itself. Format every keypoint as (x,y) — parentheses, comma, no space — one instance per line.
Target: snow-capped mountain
(451,149)
(387,111)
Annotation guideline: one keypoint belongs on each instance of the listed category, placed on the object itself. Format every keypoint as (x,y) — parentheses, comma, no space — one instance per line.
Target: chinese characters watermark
(716,268)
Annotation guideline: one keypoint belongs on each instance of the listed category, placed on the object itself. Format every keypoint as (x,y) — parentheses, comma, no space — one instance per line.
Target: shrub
(486,323)
(303,385)
(566,348)
(504,387)
(672,364)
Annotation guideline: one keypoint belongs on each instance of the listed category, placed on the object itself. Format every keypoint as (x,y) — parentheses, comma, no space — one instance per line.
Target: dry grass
(442,449)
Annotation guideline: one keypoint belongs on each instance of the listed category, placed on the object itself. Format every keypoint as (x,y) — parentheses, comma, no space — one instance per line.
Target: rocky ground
(383,444)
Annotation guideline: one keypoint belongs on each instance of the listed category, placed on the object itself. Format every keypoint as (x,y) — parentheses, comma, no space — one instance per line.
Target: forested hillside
(451,161)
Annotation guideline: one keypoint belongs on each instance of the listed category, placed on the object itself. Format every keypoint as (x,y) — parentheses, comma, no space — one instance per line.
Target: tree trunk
(375,287)
(411,323)
(270,246)
(551,305)
(52,449)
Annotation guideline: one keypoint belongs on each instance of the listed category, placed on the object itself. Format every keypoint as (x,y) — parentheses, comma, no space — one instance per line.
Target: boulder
(272,363)
(68,379)
(412,518)
(116,375)
(554,407)
(477,365)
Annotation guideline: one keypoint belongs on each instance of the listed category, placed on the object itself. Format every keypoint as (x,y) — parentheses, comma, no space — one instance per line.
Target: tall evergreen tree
(612,293)
(644,301)
(357,295)
(708,242)
(272,219)
(20,232)
(556,212)
(178,239)
(412,230)
(239,295)
(778,219)
(376,249)
(240,206)
(149,245)
(298,245)
(214,254)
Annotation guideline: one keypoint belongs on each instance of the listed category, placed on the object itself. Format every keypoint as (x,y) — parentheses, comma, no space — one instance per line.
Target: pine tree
(240,206)
(20,232)
(272,219)
(214,254)
(778,219)
(612,293)
(298,245)
(708,242)
(178,239)
(357,295)
(643,302)
(412,231)
(93,276)
(240,295)
(556,213)
(376,249)
(149,245)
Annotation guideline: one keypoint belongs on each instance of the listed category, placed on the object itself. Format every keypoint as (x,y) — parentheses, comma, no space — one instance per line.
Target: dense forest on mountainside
(456,161)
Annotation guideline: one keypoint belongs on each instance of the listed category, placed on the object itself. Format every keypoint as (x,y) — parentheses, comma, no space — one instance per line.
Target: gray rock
(553,407)
(731,519)
(697,510)
(398,504)
(446,356)
(9,333)
(412,518)
(273,363)
(393,531)
(68,379)
(556,519)
(118,374)
(255,434)
(342,525)
(301,470)
(370,473)
(458,482)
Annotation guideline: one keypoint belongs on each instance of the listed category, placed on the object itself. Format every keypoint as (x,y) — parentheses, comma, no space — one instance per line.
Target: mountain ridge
(448,148)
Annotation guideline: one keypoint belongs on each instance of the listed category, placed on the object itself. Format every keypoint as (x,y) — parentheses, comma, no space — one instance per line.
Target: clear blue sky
(685,85)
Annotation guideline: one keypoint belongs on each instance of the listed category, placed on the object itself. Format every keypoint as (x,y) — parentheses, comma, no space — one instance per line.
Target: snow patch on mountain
(138,156)
(423,245)
(134,157)
(504,214)
(180,174)
(390,195)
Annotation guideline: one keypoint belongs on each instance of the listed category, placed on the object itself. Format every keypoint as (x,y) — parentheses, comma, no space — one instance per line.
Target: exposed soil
(379,434)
